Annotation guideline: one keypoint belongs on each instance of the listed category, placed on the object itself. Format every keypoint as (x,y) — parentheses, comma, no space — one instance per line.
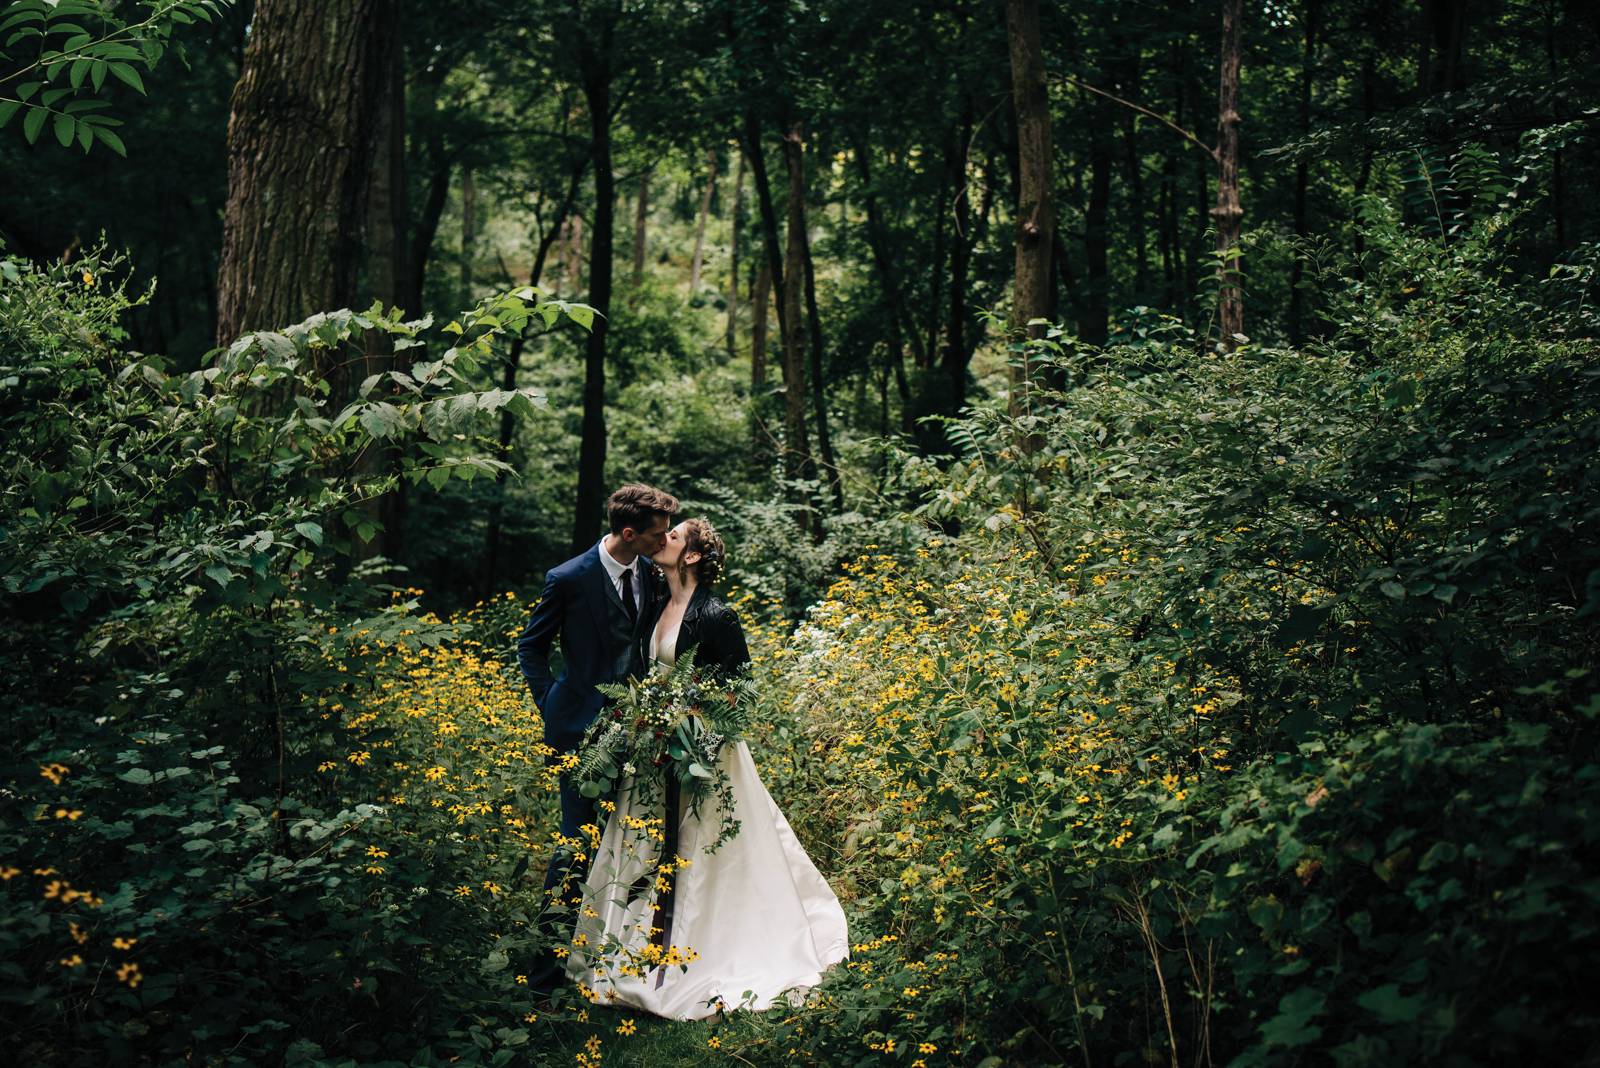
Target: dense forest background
(494,174)
(1154,441)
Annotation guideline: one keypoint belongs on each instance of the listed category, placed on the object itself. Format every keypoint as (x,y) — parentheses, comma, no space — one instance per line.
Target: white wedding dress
(755,919)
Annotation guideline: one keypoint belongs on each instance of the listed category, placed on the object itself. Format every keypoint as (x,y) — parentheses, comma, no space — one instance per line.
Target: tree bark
(733,257)
(641,220)
(469,221)
(389,213)
(819,390)
(1228,213)
(572,253)
(751,139)
(878,244)
(1311,13)
(301,149)
(1035,204)
(1096,308)
(760,313)
(440,166)
(700,224)
(957,348)
(586,518)
(387,260)
(1128,86)
(798,462)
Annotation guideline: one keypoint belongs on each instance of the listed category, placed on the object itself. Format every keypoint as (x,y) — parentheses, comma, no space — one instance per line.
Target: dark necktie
(627,595)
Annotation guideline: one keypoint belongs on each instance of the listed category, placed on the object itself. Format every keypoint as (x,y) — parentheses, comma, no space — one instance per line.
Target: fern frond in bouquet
(673,722)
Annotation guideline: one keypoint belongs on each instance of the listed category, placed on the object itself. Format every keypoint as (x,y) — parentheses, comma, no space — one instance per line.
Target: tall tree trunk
(469,223)
(797,459)
(1128,86)
(387,260)
(440,166)
(700,224)
(586,518)
(927,350)
(388,211)
(641,220)
(572,257)
(1228,213)
(297,204)
(760,313)
(1558,184)
(957,350)
(751,139)
(733,257)
(1311,13)
(1096,311)
(882,260)
(819,389)
(1036,220)
(1444,31)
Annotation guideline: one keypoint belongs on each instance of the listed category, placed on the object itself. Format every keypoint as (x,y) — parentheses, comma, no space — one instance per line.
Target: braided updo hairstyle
(699,536)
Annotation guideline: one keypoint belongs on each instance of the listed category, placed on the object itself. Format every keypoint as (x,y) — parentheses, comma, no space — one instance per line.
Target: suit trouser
(565,873)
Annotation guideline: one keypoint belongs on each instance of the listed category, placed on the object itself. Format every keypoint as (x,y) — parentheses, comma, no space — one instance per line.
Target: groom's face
(649,541)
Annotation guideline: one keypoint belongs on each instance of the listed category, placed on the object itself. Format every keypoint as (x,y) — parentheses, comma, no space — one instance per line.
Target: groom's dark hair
(636,506)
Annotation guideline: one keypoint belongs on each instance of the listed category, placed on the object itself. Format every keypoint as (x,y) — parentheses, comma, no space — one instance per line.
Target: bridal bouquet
(668,723)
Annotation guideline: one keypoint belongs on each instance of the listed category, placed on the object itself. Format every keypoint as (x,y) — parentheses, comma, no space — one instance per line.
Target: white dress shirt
(614,570)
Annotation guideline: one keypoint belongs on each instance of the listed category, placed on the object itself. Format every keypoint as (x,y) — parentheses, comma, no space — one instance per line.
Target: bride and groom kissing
(638,911)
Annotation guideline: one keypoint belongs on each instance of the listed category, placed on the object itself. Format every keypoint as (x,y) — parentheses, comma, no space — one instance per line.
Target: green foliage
(186,601)
(1250,711)
(58,53)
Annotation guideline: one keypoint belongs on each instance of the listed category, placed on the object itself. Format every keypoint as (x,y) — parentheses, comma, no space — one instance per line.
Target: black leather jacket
(713,629)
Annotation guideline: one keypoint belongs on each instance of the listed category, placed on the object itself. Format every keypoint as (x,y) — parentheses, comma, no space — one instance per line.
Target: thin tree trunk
(586,518)
(797,460)
(957,352)
(733,256)
(469,210)
(297,204)
(1035,205)
(760,313)
(926,351)
(1096,312)
(387,261)
(574,253)
(769,213)
(878,243)
(700,224)
(819,392)
(641,219)
(1228,213)
(1128,86)
(1558,184)
(1302,173)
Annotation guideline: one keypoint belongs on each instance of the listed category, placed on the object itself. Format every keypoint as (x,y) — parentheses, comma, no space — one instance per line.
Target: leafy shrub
(185,596)
(1247,712)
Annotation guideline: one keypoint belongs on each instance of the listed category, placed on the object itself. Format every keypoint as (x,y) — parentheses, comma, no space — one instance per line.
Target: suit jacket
(582,607)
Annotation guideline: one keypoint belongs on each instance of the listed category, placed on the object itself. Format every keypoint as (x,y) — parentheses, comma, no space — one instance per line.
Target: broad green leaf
(34,123)
(1389,1005)
(128,75)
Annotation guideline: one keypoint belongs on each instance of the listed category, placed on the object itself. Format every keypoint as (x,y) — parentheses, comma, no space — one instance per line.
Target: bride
(666,926)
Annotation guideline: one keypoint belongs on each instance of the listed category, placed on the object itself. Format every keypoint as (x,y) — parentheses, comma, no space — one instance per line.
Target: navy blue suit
(581,607)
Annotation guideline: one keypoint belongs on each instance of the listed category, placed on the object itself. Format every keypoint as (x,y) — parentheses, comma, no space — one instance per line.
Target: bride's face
(671,552)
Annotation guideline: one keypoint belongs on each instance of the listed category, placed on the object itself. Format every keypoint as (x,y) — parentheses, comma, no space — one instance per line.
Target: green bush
(193,634)
(1242,711)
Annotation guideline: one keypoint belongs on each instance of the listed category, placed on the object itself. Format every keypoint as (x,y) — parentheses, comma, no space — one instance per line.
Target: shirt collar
(613,567)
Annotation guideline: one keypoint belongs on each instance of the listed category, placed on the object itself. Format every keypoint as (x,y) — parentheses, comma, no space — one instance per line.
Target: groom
(600,606)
